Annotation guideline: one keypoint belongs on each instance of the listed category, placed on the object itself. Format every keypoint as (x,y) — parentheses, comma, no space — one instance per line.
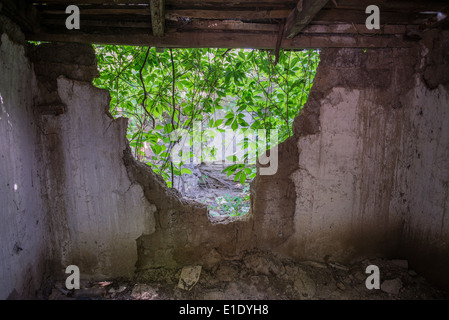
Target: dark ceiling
(231,23)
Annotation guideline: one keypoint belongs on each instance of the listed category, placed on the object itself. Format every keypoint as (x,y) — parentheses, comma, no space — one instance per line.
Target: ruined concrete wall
(65,194)
(365,174)
(23,232)
(423,173)
(96,212)
(91,204)
(184,233)
(371,175)
(345,179)
(109,213)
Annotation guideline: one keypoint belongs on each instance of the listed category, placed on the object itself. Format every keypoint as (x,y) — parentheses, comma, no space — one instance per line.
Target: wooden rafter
(158,17)
(302,15)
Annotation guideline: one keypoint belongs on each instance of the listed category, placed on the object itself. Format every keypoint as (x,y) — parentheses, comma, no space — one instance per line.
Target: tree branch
(144,88)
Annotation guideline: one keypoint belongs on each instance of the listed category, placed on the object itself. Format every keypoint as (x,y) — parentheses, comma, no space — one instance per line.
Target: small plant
(234,206)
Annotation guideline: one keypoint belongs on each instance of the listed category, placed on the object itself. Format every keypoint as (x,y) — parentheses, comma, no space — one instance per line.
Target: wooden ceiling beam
(302,15)
(224,40)
(158,17)
(175,14)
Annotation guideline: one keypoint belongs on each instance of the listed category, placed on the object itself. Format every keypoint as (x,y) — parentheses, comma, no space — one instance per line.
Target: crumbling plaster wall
(65,194)
(365,174)
(371,175)
(97,213)
(23,232)
(352,182)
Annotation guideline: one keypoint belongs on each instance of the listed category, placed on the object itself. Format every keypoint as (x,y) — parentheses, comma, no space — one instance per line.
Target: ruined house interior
(364,179)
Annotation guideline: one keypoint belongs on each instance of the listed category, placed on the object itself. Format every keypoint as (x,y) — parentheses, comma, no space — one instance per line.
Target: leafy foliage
(233,206)
(162,92)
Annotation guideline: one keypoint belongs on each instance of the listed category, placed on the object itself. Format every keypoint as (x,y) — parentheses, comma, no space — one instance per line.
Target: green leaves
(186,171)
(224,89)
(234,125)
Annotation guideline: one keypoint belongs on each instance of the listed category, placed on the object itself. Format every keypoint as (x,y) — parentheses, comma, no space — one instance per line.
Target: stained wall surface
(366,173)
(65,194)
(23,233)
(371,176)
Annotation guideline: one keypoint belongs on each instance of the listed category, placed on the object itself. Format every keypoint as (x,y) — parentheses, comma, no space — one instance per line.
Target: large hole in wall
(201,118)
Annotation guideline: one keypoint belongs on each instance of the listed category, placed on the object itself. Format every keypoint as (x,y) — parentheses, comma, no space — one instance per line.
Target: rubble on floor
(262,276)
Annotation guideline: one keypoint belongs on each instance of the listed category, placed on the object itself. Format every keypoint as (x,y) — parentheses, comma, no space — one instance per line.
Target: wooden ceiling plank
(176,14)
(302,15)
(100,23)
(52,22)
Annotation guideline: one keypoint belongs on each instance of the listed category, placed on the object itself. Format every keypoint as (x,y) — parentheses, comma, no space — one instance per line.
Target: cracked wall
(23,233)
(101,210)
(65,193)
(97,213)
(366,173)
(371,175)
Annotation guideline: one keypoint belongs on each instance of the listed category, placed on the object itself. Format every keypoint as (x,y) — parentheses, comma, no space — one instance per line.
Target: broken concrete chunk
(120,289)
(304,285)
(189,277)
(144,292)
(391,286)
(341,286)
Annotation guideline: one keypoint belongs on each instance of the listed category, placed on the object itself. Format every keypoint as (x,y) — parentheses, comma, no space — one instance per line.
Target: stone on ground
(189,277)
(391,286)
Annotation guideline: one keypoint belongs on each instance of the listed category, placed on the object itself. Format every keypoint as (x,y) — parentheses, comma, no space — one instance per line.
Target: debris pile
(260,275)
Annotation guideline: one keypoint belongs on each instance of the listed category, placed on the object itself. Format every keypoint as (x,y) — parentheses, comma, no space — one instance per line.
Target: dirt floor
(261,276)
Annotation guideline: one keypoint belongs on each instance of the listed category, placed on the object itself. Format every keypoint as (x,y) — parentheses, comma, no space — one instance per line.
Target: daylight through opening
(201,118)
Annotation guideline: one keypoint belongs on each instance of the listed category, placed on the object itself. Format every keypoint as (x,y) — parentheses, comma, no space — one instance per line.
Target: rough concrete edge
(151,183)
(432,41)
(307,122)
